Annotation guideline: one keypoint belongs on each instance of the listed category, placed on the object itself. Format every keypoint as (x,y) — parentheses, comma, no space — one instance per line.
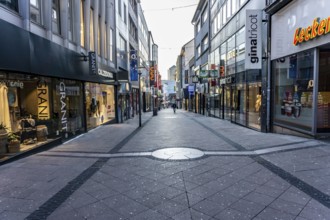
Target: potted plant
(3,138)
(13,143)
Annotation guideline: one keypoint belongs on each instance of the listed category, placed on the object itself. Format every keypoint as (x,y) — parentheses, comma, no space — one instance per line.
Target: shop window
(12,4)
(68,107)
(100,104)
(294,90)
(35,11)
(56,17)
(323,98)
(32,108)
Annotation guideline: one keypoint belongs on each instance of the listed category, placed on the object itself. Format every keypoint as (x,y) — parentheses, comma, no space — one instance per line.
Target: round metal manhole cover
(178,153)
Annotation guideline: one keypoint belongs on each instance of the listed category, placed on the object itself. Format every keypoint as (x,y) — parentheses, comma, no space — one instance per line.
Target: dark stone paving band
(298,183)
(55,201)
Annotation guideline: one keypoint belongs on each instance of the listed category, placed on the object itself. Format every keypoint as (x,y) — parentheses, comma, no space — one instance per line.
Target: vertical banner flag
(253,56)
(152,73)
(133,66)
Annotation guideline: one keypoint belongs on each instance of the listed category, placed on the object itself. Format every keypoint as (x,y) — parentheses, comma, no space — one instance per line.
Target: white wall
(299,13)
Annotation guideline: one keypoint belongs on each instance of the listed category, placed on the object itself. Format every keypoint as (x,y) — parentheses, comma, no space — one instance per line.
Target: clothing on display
(4,106)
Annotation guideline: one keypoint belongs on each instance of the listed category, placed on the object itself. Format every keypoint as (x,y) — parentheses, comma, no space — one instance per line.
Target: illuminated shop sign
(105,73)
(253,39)
(64,121)
(317,29)
(14,84)
(43,101)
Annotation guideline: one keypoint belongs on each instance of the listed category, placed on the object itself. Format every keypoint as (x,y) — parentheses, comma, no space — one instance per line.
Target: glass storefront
(293,91)
(36,109)
(238,91)
(323,102)
(100,104)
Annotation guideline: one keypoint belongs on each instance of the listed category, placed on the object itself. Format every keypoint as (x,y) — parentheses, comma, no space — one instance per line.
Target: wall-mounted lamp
(85,57)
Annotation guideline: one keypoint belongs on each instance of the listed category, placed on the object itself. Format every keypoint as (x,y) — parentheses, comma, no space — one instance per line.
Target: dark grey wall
(22,51)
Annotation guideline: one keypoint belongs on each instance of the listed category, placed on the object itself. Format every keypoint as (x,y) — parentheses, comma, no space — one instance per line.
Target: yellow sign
(43,101)
(317,29)
(152,73)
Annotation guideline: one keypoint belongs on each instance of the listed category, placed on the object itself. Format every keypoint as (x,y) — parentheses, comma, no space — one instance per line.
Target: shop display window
(25,103)
(293,93)
(323,98)
(100,104)
(68,107)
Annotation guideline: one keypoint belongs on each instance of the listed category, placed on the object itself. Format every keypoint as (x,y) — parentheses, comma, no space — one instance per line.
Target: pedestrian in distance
(174,107)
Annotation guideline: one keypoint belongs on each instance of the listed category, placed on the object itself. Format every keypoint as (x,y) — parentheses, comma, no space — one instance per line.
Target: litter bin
(155,112)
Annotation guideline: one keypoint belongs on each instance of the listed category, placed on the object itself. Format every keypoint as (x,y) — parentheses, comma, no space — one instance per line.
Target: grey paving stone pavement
(110,173)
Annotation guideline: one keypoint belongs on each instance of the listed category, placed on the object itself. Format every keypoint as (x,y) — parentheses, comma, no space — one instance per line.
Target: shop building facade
(236,71)
(300,65)
(57,76)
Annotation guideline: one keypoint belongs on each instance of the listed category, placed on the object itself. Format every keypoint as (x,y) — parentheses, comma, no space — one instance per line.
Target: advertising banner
(152,73)
(133,65)
(253,55)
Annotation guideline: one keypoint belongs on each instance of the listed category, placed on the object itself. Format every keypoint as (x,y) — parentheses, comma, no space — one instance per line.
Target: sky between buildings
(170,24)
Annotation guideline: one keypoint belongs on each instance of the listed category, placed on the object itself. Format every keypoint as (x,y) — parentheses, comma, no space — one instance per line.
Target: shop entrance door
(323,111)
(228,91)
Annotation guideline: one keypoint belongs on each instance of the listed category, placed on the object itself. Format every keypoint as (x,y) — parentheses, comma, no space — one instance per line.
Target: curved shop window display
(100,104)
(26,108)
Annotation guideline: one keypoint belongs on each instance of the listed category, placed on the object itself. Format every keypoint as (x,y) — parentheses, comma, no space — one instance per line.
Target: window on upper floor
(234,6)
(224,14)
(228,9)
(242,2)
(35,11)
(122,44)
(91,31)
(205,43)
(70,21)
(111,45)
(56,17)
(99,29)
(198,27)
(125,13)
(204,16)
(82,23)
(198,51)
(12,4)
(105,46)
(119,8)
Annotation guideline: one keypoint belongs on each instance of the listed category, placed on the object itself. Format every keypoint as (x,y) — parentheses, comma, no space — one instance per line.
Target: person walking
(174,107)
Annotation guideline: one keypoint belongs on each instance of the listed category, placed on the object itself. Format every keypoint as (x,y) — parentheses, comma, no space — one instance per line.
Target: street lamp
(140,73)
(195,80)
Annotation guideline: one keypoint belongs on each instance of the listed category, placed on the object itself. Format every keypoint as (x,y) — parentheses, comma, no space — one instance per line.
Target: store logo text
(317,29)
(64,120)
(43,101)
(254,39)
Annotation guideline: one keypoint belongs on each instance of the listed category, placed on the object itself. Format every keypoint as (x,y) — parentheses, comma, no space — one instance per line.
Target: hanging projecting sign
(133,65)
(92,63)
(253,56)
